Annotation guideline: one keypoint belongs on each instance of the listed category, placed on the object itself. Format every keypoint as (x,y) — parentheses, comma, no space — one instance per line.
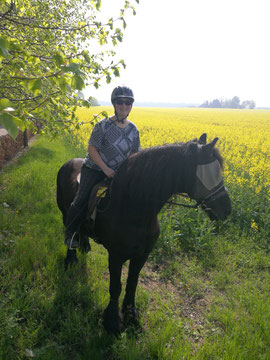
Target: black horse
(128,226)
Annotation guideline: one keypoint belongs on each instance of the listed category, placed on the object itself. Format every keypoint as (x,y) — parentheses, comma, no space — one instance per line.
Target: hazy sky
(190,51)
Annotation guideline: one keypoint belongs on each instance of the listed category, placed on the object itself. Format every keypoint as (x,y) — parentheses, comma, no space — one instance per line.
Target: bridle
(215,195)
(217,191)
(203,203)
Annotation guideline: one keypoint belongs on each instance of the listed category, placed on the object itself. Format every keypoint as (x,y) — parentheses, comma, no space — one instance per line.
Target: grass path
(204,294)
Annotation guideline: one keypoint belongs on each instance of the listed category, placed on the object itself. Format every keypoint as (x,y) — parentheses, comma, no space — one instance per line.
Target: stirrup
(74,243)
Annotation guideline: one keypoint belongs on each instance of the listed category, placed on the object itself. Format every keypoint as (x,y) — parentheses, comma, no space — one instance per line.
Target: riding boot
(72,236)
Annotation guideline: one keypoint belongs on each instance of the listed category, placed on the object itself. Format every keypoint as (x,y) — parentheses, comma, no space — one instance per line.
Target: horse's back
(67,184)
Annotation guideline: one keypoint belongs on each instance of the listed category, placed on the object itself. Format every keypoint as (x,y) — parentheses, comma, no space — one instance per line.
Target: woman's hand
(94,154)
(109,172)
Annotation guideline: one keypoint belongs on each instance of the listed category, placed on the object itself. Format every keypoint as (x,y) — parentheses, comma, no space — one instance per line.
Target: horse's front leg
(111,318)
(71,258)
(129,310)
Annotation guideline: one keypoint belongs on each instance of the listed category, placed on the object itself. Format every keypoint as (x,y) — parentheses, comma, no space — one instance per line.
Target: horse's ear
(209,147)
(202,139)
(213,142)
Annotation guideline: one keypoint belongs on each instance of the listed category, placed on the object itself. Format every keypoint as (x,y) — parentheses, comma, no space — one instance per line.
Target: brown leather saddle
(99,192)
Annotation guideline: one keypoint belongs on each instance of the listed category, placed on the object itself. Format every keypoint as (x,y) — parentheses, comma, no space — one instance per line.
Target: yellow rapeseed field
(244,136)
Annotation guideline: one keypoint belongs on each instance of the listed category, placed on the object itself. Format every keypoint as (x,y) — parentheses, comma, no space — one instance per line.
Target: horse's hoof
(130,316)
(85,246)
(71,258)
(112,323)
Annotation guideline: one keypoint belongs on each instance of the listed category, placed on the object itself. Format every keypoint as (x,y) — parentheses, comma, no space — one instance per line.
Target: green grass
(204,293)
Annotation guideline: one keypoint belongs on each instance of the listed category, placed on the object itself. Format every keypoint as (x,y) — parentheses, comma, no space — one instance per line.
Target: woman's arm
(99,162)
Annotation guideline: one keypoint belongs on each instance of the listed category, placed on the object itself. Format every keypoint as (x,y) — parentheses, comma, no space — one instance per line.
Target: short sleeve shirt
(113,143)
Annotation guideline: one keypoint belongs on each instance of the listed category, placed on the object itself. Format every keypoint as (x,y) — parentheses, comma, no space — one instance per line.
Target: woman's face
(123,107)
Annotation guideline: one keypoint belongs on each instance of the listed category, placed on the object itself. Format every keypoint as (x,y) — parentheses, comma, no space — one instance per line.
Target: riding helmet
(122,92)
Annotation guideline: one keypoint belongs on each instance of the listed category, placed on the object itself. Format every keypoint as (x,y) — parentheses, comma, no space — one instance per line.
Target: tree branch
(38,105)
(36,78)
(65,28)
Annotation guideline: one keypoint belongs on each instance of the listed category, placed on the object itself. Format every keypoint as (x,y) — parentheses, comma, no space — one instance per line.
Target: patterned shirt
(114,144)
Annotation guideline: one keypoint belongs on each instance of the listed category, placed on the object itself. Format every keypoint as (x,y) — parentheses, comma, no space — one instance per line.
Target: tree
(233,103)
(94,101)
(45,61)
(248,104)
(216,104)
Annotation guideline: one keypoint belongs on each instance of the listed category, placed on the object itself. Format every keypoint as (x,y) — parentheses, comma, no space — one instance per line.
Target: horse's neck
(145,183)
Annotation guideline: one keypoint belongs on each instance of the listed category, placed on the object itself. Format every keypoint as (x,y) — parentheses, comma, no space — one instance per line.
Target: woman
(111,142)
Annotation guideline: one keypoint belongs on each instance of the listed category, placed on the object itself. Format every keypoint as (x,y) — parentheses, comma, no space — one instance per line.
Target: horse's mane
(152,175)
(149,178)
(218,156)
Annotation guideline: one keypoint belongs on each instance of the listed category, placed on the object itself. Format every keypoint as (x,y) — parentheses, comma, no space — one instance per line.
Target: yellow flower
(254,225)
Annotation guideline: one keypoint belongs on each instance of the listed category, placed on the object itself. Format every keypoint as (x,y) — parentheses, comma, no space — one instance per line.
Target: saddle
(98,193)
(98,200)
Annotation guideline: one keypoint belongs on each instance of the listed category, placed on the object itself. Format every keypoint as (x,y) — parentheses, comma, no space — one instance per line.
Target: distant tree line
(233,103)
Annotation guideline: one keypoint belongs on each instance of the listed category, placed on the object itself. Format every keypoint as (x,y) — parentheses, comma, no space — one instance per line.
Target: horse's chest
(133,241)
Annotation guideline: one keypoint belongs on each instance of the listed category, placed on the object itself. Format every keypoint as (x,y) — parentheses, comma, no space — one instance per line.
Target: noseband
(218,193)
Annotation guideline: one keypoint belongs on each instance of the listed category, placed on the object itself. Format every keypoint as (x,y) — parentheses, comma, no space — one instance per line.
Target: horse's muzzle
(218,207)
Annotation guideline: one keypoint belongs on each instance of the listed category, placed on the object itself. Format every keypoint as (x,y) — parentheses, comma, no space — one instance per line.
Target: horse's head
(209,190)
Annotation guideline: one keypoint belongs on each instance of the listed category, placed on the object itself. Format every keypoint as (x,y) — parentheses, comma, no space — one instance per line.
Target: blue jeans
(78,208)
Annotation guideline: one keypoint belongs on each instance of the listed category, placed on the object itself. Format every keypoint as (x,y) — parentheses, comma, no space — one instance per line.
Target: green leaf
(122,63)
(86,103)
(4,103)
(4,45)
(28,84)
(7,121)
(98,4)
(20,124)
(70,68)
(61,82)
(105,114)
(77,82)
(86,56)
(59,60)
(36,87)
(116,72)
(74,68)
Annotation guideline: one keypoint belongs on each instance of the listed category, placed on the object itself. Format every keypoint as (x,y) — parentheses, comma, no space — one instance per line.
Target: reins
(216,194)
(195,206)
(203,203)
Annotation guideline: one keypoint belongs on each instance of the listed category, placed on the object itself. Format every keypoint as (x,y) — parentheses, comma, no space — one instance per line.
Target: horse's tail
(67,185)
(59,195)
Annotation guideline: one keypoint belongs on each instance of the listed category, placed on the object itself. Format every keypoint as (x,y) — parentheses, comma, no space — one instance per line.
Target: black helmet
(122,92)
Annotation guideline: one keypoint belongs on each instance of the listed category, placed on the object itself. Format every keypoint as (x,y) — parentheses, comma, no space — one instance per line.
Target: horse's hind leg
(85,246)
(129,310)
